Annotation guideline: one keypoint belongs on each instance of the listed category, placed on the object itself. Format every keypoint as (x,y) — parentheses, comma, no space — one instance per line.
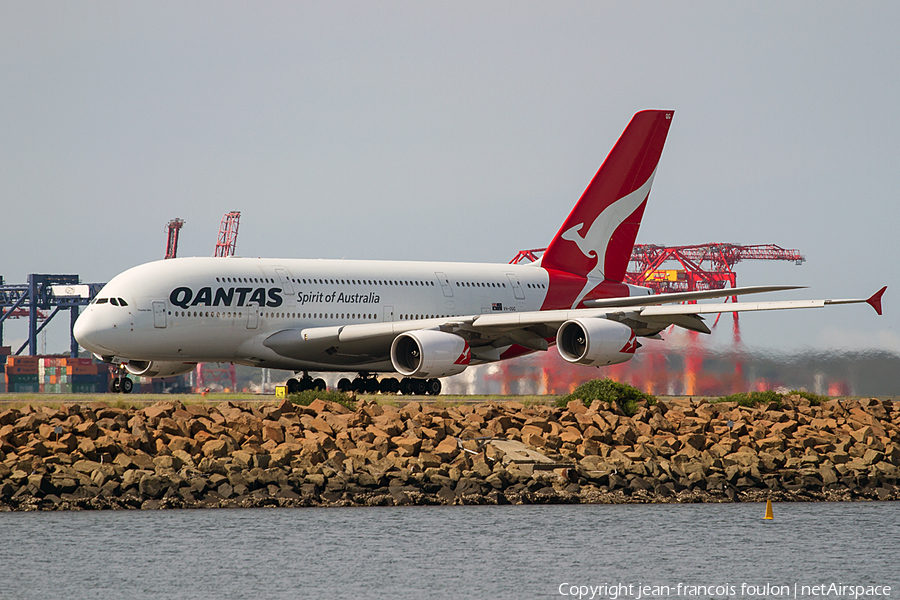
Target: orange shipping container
(77,361)
(22,360)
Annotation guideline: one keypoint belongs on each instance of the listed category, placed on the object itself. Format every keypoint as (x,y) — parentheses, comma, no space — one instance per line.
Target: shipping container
(98,378)
(21,370)
(20,388)
(22,360)
(77,361)
(55,388)
(21,378)
(88,388)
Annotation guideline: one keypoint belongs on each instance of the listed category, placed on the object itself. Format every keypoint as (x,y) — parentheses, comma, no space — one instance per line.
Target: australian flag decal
(497,306)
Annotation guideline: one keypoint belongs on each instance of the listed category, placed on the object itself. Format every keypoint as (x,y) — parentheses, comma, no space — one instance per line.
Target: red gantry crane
(174,228)
(228,232)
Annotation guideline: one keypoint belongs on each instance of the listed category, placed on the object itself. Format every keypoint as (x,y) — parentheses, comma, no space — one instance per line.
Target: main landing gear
(120,384)
(305,383)
(369,384)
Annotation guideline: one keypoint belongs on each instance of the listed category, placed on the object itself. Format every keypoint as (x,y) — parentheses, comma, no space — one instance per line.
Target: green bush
(625,396)
(307,397)
(751,399)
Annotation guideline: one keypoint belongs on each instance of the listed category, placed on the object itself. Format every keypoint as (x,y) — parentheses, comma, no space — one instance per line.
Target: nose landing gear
(120,383)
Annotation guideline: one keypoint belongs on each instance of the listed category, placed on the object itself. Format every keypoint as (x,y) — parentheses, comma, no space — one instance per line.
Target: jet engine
(597,342)
(427,353)
(145,368)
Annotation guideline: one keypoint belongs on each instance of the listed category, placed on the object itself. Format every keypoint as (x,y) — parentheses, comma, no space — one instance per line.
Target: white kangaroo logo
(595,242)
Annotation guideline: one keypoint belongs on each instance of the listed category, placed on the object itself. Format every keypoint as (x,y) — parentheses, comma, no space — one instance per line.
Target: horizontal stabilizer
(874,300)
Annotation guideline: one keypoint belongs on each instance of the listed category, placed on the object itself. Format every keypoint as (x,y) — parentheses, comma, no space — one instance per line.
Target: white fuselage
(223,309)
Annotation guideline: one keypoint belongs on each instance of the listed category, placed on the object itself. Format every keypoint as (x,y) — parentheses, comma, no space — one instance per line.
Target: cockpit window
(113,301)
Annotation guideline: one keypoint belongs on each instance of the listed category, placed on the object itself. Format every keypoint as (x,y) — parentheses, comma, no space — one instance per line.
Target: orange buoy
(768,510)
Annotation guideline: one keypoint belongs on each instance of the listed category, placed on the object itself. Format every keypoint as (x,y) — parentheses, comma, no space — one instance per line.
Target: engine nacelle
(427,353)
(594,341)
(146,368)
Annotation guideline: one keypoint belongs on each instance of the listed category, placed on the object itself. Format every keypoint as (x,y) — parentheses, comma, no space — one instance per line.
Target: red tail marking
(875,300)
(631,346)
(627,168)
(466,356)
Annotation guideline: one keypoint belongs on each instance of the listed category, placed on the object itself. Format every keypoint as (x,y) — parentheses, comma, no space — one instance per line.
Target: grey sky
(453,131)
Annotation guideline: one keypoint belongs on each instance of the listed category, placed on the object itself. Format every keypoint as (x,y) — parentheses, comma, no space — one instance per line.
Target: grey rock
(446,494)
(151,486)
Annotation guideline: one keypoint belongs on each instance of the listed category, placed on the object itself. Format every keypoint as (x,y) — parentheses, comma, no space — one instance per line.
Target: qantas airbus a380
(423,320)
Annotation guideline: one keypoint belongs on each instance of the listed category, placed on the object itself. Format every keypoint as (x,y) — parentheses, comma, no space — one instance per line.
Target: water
(446,552)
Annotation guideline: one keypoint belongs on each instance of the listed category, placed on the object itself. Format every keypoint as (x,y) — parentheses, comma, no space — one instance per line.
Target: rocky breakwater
(278,454)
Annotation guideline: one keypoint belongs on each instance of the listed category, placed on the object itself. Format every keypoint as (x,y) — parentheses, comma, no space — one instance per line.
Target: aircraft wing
(688,296)
(648,320)
(529,329)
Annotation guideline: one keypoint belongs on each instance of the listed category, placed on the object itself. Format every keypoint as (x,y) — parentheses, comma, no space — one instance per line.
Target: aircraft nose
(89,334)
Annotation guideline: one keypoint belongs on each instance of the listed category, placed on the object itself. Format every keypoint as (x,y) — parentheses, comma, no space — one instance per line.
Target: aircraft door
(252,317)
(388,314)
(517,287)
(445,284)
(159,314)
(285,281)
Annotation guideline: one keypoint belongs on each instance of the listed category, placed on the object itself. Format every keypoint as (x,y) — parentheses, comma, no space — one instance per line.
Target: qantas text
(242,296)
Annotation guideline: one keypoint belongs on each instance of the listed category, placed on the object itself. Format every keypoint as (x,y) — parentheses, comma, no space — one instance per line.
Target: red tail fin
(597,238)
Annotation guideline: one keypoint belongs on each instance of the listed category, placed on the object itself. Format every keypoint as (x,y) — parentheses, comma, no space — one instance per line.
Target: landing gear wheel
(306,382)
(389,385)
(420,387)
(359,385)
(371,385)
(318,385)
(126,385)
(114,384)
(344,385)
(293,386)
(434,387)
(406,386)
